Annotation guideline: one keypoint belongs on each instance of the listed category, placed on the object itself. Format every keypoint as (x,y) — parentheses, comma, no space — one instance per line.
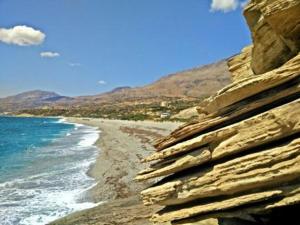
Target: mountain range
(191,84)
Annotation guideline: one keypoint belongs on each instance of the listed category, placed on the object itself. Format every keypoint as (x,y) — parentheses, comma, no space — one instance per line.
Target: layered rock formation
(240,65)
(241,158)
(275,29)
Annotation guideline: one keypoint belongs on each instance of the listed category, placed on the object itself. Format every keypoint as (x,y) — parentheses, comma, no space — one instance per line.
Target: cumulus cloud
(22,36)
(224,5)
(49,54)
(102,82)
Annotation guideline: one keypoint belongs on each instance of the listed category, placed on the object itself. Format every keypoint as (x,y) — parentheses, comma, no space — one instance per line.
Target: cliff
(241,158)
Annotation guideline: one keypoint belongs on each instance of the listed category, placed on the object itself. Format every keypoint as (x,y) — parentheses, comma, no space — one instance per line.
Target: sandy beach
(122,144)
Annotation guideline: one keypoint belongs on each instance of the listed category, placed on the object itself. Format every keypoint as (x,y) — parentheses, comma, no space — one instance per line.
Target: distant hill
(29,100)
(190,84)
(118,89)
(193,84)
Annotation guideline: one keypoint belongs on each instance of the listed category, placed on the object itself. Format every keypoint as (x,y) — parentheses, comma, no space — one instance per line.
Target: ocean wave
(64,120)
(56,199)
(61,120)
(56,187)
(90,138)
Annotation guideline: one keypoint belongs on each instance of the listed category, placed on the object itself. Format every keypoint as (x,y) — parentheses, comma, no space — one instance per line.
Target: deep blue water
(43,165)
(22,137)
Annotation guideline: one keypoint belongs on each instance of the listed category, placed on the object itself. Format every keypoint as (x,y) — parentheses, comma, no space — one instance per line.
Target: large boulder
(275,29)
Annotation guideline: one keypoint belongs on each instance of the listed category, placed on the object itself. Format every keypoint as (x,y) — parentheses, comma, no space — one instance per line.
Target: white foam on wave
(38,220)
(60,120)
(65,121)
(14,182)
(91,133)
(90,138)
(40,205)
(57,199)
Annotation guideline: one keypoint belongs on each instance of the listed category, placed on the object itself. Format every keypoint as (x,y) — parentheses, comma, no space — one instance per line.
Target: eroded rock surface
(275,29)
(240,65)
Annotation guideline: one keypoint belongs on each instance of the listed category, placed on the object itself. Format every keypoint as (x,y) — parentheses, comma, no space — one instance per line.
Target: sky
(86,47)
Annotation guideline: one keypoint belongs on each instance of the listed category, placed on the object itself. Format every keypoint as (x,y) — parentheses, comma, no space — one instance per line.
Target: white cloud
(49,54)
(22,36)
(74,64)
(224,5)
(102,82)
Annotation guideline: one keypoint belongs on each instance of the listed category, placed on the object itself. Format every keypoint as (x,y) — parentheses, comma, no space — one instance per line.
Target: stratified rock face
(241,158)
(240,65)
(275,29)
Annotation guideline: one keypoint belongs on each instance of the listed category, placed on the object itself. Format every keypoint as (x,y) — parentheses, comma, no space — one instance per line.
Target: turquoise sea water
(43,165)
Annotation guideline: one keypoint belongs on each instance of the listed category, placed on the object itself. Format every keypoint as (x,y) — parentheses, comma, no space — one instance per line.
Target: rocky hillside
(194,83)
(178,88)
(240,161)
(30,99)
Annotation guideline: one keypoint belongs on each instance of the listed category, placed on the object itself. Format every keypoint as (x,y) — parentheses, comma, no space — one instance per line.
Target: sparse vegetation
(142,111)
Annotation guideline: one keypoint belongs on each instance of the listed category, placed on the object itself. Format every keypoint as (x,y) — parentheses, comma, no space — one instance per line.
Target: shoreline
(111,151)
(87,197)
(121,145)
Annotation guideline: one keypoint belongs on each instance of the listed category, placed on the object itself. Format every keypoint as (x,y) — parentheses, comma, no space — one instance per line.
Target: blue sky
(84,47)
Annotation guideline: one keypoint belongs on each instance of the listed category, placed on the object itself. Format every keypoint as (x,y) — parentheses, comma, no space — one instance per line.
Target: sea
(43,169)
